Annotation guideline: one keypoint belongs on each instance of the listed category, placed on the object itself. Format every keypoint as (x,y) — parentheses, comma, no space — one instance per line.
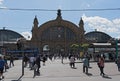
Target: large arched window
(58,34)
(9,35)
(98,36)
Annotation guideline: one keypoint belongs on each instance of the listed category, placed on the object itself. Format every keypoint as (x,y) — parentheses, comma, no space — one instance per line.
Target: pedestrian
(85,64)
(101,65)
(44,60)
(31,62)
(37,62)
(11,60)
(2,64)
(6,64)
(118,63)
(72,61)
(25,60)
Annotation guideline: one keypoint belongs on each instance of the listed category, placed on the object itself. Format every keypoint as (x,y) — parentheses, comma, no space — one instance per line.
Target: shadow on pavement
(107,77)
(74,68)
(15,80)
(88,74)
(19,79)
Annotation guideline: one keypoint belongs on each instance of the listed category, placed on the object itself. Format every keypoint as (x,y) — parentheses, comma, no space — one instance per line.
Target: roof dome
(97,36)
(8,35)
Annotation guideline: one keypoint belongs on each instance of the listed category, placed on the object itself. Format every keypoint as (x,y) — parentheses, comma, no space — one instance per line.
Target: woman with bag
(101,65)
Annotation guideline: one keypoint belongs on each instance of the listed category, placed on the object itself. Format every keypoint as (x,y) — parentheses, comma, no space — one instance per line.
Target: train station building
(56,37)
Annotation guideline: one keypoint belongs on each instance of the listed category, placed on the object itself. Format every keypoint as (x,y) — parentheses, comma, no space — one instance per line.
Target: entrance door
(59,50)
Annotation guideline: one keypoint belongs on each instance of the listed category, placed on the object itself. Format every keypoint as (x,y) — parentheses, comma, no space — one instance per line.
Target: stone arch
(57,23)
(46,47)
(49,33)
(59,49)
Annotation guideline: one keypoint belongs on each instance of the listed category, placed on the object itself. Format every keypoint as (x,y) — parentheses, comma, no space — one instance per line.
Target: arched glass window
(8,35)
(58,34)
(97,36)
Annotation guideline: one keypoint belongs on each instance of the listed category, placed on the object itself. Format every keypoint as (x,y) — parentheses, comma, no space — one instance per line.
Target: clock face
(58,29)
(58,32)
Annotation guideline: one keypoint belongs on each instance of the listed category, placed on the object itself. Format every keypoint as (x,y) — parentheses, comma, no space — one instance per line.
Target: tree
(74,48)
(79,47)
(85,46)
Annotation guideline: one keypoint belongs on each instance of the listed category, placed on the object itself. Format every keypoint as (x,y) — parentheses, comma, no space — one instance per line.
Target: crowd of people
(34,63)
(4,65)
(86,63)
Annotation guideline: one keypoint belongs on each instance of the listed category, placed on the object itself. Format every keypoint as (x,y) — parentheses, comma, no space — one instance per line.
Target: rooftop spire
(36,20)
(81,22)
(81,26)
(59,14)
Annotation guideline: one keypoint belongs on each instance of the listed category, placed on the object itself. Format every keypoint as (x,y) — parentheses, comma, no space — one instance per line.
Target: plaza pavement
(56,71)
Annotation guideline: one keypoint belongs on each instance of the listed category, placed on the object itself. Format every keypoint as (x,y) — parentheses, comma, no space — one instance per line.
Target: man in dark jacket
(38,63)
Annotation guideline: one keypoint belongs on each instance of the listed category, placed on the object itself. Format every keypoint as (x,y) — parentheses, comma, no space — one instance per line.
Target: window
(58,34)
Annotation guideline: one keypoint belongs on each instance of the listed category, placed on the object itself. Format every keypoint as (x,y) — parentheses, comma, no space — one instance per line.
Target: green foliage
(85,46)
(74,46)
(80,47)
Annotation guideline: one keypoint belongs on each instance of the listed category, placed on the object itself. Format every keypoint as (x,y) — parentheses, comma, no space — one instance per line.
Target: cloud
(88,5)
(1,1)
(2,5)
(111,27)
(27,35)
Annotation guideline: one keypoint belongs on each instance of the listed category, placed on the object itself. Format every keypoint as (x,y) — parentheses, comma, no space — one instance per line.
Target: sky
(21,21)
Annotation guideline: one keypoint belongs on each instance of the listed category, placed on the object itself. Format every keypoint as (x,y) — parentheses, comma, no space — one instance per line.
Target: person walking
(101,65)
(118,63)
(31,62)
(25,60)
(85,64)
(37,63)
(44,60)
(2,64)
(72,61)
(6,64)
(11,60)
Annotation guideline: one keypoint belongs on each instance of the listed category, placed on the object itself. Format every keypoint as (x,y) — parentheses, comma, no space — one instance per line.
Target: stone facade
(56,35)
